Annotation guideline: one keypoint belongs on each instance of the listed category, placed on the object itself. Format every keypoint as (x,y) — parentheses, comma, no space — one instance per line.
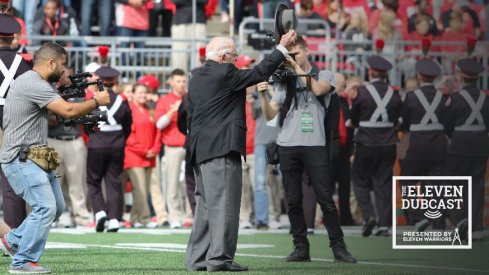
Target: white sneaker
(137,225)
(174,225)
(113,225)
(100,218)
(245,225)
(224,17)
(151,225)
(274,225)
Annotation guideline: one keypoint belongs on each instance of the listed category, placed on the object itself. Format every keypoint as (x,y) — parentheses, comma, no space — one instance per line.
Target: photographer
(302,146)
(69,144)
(25,158)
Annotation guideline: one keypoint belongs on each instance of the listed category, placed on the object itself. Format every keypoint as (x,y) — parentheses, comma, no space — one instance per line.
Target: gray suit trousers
(215,230)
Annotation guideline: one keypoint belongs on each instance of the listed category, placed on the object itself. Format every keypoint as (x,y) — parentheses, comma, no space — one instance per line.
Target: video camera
(285,20)
(77,90)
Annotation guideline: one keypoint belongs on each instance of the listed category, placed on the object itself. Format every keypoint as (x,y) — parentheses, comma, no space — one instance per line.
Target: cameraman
(26,127)
(302,146)
(69,144)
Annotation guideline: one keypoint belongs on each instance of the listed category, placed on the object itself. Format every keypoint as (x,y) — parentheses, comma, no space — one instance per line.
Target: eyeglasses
(235,54)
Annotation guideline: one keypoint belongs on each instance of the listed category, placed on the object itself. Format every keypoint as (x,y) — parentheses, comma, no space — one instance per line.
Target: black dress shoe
(228,266)
(341,254)
(100,224)
(368,227)
(300,254)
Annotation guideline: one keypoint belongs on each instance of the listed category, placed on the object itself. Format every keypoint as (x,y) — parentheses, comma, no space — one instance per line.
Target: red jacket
(250,131)
(144,137)
(170,136)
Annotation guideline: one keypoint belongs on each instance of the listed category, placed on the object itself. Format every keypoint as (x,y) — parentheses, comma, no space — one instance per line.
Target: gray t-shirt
(303,126)
(265,131)
(25,119)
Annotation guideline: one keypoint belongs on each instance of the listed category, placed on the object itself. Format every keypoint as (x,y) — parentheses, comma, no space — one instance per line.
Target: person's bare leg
(4,228)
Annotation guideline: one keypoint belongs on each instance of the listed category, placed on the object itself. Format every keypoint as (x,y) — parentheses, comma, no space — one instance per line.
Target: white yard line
(280,257)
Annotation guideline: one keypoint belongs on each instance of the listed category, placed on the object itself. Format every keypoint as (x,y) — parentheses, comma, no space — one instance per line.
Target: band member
(105,156)
(422,115)
(467,123)
(11,66)
(375,111)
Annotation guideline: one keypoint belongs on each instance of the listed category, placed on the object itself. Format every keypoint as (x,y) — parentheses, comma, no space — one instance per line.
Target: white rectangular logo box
(395,189)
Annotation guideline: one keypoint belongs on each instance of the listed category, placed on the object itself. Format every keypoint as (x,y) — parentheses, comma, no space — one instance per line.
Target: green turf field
(149,251)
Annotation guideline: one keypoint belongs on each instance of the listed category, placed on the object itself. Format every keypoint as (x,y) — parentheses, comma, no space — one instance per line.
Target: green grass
(104,255)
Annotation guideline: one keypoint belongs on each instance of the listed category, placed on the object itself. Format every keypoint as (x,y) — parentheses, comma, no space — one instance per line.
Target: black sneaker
(368,227)
(300,254)
(341,255)
(262,226)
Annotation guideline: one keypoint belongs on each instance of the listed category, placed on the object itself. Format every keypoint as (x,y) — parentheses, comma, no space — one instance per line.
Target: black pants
(189,179)
(476,168)
(341,175)
(416,167)
(107,164)
(314,160)
(308,201)
(166,22)
(372,170)
(14,207)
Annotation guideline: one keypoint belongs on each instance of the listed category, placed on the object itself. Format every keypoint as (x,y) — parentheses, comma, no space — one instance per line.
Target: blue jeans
(270,6)
(121,31)
(27,10)
(261,185)
(41,190)
(105,15)
(67,3)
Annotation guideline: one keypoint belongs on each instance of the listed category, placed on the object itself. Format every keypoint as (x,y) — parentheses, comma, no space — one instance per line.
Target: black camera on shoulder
(76,90)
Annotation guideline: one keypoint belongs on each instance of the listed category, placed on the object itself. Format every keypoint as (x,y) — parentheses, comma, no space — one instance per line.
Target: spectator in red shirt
(455,32)
(142,146)
(389,5)
(470,21)
(173,140)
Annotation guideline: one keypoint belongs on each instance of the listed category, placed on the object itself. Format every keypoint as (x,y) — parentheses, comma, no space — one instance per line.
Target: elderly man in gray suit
(217,132)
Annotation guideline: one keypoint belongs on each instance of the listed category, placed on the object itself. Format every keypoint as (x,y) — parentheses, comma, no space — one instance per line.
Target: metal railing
(334,55)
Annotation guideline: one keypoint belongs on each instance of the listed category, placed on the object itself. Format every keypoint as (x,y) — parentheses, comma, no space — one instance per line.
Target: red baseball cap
(150,80)
(244,61)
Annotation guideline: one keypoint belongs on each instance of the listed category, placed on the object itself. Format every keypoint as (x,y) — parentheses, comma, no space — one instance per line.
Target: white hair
(218,46)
